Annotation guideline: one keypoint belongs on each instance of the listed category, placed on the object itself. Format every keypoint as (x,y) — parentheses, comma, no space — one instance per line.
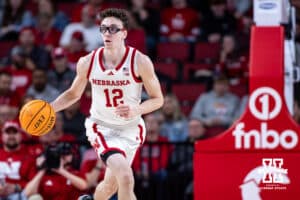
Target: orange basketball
(37,117)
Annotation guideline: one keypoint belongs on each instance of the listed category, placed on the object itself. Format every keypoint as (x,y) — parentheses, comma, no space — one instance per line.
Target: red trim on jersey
(136,79)
(100,60)
(114,149)
(100,136)
(141,134)
(91,65)
(119,65)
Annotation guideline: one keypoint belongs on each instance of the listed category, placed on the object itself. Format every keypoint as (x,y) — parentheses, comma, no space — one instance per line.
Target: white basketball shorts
(108,140)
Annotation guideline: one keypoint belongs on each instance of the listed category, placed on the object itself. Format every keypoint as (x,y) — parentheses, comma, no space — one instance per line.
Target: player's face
(11,138)
(112,32)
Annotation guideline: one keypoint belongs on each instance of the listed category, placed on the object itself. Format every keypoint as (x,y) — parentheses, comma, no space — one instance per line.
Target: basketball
(37,117)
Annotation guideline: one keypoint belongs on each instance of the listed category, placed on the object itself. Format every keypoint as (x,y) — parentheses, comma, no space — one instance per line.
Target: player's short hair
(118,13)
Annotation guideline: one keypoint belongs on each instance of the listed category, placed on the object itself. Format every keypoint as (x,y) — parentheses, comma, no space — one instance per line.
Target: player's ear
(125,32)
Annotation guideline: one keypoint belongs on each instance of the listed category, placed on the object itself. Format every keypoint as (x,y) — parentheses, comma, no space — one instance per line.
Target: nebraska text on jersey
(111,82)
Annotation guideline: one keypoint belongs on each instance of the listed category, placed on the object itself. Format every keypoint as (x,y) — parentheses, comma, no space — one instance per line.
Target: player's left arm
(151,84)
(145,70)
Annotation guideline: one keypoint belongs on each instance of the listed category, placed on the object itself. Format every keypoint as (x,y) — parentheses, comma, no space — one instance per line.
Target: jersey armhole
(91,65)
(133,67)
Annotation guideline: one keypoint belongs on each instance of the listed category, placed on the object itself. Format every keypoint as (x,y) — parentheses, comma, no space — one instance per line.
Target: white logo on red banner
(272,170)
(264,95)
(288,139)
(270,173)
(264,137)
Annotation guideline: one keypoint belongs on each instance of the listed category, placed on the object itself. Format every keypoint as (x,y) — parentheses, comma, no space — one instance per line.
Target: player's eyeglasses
(110,29)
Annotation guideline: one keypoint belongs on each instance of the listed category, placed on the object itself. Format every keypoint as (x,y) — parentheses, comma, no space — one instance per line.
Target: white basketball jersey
(112,87)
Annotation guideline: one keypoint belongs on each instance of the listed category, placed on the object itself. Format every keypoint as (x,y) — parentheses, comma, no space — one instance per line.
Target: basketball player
(115,127)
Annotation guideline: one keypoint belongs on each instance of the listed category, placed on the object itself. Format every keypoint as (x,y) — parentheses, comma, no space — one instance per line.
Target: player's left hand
(127,111)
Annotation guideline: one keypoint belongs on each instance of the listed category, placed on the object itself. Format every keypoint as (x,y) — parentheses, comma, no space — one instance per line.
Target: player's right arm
(73,94)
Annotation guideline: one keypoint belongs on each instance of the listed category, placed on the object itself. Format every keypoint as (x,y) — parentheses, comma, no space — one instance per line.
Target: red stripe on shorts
(100,136)
(141,134)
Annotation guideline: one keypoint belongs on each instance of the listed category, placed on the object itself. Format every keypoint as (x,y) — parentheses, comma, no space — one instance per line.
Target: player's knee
(105,189)
(111,187)
(126,178)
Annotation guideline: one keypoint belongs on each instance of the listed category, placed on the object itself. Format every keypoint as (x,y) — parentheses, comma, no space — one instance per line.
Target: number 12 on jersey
(113,97)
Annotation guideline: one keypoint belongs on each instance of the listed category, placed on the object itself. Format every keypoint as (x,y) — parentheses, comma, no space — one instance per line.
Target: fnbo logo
(265,138)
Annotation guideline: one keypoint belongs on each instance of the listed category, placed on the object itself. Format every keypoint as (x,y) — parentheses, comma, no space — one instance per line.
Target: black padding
(105,156)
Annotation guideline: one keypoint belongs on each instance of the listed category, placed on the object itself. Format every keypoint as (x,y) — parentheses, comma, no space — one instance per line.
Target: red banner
(257,158)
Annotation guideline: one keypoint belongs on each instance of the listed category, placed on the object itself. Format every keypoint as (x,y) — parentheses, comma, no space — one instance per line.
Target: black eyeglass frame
(111,29)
